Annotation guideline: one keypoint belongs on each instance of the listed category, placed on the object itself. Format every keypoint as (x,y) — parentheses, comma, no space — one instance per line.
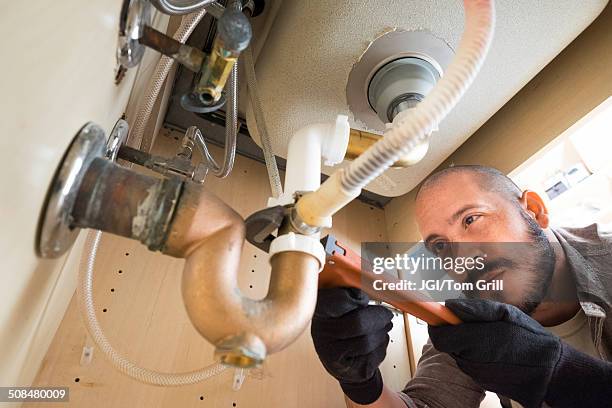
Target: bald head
(488,179)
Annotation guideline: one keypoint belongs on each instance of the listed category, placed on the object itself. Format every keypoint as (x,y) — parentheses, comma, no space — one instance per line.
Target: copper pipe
(345,268)
(186,221)
(360,141)
(190,57)
(414,303)
(243,330)
(118,200)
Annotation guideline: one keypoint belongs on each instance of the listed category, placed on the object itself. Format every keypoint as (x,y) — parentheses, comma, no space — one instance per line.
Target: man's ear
(534,205)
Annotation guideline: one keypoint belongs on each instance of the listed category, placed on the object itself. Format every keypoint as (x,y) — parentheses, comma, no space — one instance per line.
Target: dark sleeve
(580,380)
(439,383)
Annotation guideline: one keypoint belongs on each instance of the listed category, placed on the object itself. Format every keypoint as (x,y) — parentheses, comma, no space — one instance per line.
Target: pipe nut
(245,350)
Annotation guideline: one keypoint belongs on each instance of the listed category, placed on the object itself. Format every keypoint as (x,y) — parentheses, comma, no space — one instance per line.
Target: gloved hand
(351,340)
(509,353)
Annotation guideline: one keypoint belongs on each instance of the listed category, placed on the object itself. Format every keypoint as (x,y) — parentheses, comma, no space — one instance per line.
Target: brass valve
(360,141)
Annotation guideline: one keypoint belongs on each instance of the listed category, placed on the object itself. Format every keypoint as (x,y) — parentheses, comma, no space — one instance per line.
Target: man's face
(456,210)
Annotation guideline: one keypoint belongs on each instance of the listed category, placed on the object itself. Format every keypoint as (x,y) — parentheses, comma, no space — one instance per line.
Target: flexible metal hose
(121,363)
(156,83)
(179,7)
(231,131)
(231,123)
(260,123)
(413,129)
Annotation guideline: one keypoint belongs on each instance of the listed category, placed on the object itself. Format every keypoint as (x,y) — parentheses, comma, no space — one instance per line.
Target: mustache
(474,275)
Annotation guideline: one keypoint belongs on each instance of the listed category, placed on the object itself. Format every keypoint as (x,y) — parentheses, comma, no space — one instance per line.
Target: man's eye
(438,247)
(470,219)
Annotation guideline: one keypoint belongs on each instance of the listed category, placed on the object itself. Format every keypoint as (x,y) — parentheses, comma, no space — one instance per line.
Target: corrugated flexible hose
(413,129)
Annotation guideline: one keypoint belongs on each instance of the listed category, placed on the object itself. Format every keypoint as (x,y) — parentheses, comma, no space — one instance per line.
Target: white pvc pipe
(304,160)
(310,144)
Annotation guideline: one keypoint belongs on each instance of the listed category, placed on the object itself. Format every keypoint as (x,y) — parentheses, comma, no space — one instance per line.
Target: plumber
(545,340)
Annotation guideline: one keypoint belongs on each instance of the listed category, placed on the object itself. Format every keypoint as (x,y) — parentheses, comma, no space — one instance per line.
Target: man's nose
(468,250)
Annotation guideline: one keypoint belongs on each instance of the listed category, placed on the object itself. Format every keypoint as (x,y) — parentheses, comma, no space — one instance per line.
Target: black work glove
(507,352)
(351,340)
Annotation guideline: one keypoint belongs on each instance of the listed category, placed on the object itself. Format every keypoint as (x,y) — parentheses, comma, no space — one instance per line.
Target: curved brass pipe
(184,220)
(243,330)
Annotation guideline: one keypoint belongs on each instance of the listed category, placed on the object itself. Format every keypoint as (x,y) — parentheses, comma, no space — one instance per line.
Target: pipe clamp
(292,242)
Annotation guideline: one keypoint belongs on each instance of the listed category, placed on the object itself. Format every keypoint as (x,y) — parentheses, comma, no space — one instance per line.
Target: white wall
(57,74)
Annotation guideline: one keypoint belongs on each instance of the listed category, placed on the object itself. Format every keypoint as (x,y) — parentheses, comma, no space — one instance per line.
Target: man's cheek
(515,287)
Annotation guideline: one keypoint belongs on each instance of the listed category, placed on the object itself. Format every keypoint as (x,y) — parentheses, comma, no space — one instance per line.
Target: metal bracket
(239,376)
(330,244)
(55,231)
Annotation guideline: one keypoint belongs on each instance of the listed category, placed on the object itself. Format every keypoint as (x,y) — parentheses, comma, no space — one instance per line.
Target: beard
(538,274)
(542,271)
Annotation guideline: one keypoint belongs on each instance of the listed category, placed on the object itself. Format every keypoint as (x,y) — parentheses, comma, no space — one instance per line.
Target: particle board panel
(138,299)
